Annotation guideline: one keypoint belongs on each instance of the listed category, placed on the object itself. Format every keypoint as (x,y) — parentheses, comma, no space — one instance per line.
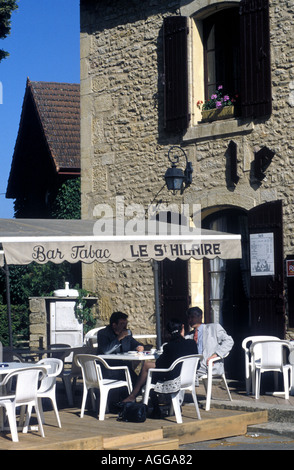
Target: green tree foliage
(37,280)
(67,204)
(6,9)
(83,312)
(20,323)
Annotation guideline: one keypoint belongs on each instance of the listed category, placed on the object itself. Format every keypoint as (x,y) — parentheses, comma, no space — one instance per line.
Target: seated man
(114,339)
(212,341)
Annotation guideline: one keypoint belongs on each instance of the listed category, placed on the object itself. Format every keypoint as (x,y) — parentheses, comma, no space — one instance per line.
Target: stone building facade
(240,164)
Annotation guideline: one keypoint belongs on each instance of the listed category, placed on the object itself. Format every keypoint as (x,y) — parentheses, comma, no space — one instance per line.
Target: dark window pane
(221,52)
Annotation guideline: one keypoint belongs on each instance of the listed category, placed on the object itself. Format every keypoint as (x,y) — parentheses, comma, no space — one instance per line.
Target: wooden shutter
(175,31)
(262,160)
(266,292)
(256,98)
(290,294)
(232,154)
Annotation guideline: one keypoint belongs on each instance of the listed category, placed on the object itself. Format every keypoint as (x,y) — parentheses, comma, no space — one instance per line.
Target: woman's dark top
(173,350)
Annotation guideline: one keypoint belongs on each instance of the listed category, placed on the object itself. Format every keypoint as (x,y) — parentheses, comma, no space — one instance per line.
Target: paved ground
(251,441)
(277,434)
(238,393)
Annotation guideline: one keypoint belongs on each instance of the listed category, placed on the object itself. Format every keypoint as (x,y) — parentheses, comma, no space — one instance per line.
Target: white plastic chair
(249,365)
(48,385)
(208,380)
(69,376)
(188,375)
(271,358)
(59,354)
(90,338)
(93,379)
(25,394)
(62,355)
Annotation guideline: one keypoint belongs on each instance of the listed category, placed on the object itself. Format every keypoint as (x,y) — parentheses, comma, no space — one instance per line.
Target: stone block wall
(124,146)
(38,322)
(121,153)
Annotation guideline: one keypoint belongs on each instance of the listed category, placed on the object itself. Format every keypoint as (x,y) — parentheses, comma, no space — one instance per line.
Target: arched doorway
(226,286)
(244,301)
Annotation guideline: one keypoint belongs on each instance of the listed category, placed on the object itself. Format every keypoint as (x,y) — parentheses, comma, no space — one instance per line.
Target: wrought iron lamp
(176,179)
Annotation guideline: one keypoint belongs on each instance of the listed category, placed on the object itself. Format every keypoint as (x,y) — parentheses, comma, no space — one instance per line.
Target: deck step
(151,440)
(92,443)
(138,438)
(162,444)
(205,430)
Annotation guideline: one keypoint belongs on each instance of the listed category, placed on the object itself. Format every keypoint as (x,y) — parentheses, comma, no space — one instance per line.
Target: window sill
(205,131)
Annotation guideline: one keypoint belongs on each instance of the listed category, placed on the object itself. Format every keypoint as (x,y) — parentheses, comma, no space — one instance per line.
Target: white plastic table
(143,356)
(7,367)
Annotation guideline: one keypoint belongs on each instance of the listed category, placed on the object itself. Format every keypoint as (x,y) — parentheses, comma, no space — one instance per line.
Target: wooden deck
(88,433)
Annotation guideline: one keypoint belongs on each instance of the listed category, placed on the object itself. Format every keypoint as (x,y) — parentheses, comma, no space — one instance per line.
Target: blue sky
(44,45)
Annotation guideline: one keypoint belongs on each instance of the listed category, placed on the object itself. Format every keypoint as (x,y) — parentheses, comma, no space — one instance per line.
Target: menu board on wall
(262,254)
(290,267)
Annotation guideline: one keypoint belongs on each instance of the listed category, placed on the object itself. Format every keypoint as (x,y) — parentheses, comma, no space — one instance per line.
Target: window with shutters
(215,60)
(222,53)
(228,46)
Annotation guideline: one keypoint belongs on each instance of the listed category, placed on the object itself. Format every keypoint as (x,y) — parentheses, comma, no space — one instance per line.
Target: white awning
(43,240)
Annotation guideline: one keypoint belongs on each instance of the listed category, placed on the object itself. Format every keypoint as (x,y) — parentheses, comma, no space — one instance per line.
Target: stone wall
(121,153)
(38,322)
(124,147)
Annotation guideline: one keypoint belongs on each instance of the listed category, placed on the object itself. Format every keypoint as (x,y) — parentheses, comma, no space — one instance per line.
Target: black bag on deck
(133,412)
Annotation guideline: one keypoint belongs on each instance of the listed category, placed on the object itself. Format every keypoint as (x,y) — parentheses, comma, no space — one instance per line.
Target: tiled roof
(58,107)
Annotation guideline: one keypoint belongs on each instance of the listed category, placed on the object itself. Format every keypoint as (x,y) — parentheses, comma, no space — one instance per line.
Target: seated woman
(177,347)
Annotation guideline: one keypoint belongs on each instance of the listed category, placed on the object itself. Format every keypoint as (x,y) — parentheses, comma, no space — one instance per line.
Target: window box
(209,115)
